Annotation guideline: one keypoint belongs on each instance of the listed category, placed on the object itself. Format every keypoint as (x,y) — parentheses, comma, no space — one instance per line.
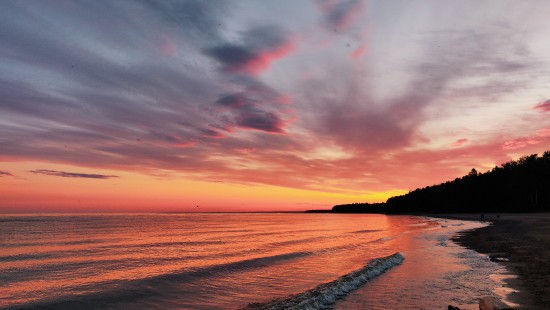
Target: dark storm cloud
(72,174)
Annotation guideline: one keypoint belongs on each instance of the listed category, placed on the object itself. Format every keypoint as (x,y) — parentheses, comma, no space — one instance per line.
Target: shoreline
(520,243)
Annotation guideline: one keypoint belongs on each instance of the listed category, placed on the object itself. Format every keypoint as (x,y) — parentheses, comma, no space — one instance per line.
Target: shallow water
(205,261)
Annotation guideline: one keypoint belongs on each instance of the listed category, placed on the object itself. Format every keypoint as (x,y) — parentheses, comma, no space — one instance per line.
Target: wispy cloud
(268,122)
(358,52)
(72,174)
(459,142)
(543,106)
(4,173)
(539,137)
(340,14)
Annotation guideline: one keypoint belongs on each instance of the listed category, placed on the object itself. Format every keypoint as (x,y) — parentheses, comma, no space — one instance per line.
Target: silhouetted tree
(516,186)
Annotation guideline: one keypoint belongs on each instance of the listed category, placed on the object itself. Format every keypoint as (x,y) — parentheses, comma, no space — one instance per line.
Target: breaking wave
(327,294)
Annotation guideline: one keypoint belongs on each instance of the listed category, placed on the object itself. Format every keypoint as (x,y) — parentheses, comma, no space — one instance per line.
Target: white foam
(326,294)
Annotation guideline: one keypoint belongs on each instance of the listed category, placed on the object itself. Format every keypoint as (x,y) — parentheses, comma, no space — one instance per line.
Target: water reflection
(226,260)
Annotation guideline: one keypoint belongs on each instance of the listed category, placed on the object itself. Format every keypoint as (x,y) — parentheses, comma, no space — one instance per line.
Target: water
(229,261)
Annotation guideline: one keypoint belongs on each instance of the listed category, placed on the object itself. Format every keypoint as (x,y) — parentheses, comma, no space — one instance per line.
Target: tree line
(521,185)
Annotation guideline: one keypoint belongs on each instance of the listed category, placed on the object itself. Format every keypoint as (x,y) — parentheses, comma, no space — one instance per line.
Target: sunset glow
(194,106)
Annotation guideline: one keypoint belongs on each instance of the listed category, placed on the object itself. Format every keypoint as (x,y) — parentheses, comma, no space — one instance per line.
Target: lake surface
(230,260)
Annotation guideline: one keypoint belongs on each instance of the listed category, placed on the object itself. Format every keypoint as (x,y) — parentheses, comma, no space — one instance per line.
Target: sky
(140,106)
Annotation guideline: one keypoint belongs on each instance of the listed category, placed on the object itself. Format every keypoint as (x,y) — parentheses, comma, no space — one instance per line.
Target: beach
(520,242)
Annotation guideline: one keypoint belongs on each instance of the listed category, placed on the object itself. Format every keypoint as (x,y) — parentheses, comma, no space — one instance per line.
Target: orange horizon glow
(134,192)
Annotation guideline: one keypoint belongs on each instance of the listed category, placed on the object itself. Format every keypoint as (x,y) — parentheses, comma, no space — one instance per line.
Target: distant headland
(518,186)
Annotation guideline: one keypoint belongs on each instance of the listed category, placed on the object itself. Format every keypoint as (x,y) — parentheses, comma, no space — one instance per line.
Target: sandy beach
(521,242)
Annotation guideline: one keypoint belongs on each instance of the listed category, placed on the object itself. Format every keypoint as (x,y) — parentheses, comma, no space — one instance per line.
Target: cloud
(543,106)
(167,46)
(264,121)
(359,128)
(212,134)
(199,20)
(85,85)
(5,174)
(261,46)
(340,14)
(358,52)
(459,142)
(257,107)
(233,101)
(340,108)
(539,137)
(72,174)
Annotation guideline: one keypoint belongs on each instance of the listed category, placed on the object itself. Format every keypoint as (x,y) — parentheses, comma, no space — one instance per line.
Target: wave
(58,243)
(366,231)
(295,241)
(324,295)
(383,239)
(19,257)
(256,233)
(115,292)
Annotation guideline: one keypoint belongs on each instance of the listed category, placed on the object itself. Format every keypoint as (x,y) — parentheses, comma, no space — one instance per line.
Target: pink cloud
(519,143)
(262,61)
(459,142)
(358,52)
(543,106)
(284,99)
(245,150)
(185,144)
(324,43)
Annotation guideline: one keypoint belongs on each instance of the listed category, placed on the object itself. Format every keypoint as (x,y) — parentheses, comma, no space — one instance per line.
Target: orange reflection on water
(213,260)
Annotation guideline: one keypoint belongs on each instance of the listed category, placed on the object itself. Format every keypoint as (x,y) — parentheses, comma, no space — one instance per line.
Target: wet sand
(521,242)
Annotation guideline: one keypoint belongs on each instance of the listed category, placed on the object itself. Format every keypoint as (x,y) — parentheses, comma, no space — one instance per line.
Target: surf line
(327,294)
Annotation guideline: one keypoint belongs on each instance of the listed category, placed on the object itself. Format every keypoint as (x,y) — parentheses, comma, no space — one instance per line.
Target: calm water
(206,261)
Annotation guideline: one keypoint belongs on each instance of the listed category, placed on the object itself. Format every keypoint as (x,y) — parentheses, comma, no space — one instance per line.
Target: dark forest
(522,185)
